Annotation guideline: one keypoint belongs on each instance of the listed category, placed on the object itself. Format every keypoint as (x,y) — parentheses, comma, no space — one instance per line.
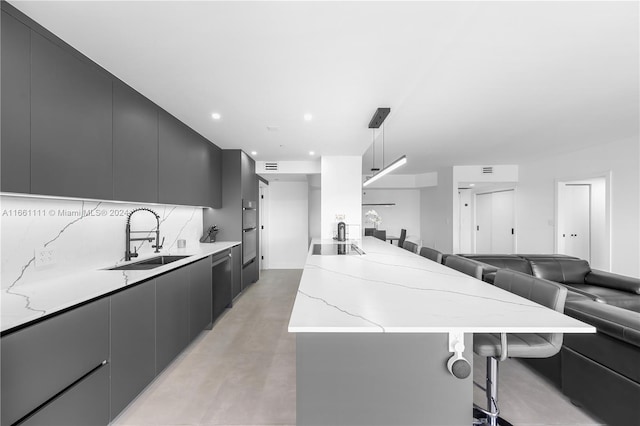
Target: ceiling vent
(487,170)
(271,166)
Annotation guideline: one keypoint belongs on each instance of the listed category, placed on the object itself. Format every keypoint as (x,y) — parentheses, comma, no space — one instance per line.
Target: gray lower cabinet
(84,366)
(172,316)
(45,359)
(221,278)
(15,110)
(236,271)
(199,296)
(133,352)
(84,404)
(71,124)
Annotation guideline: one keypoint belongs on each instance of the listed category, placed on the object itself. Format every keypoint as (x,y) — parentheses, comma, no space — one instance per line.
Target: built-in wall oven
(249,231)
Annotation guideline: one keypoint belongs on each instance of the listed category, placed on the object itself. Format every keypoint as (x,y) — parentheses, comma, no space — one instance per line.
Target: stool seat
(521,345)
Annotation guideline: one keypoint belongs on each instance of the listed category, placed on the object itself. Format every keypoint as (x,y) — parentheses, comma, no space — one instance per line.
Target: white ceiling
(467,82)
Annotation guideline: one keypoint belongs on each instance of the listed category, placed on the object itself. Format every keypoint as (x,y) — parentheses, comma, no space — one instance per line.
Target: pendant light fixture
(376,121)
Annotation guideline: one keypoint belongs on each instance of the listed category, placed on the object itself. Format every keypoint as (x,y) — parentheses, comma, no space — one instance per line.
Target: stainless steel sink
(154,262)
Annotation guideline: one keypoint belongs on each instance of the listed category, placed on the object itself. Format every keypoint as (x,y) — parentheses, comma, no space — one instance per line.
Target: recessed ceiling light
(472,184)
(312,153)
(308,117)
(215,116)
(254,153)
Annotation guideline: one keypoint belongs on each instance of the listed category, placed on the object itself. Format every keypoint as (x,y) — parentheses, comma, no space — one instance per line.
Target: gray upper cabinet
(70,128)
(71,124)
(248,177)
(16,130)
(135,146)
(174,174)
(187,164)
(214,179)
(133,352)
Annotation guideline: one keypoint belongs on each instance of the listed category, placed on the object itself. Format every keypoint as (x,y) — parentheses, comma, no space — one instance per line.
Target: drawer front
(43,359)
(85,404)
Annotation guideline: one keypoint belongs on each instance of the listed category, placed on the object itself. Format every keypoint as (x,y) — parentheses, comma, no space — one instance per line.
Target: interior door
(483,223)
(466,219)
(502,222)
(575,219)
(495,222)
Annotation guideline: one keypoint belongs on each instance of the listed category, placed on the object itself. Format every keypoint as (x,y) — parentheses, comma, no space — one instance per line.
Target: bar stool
(464,265)
(412,247)
(498,347)
(431,254)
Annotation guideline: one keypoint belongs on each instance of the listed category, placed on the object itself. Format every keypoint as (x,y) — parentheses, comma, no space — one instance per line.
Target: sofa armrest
(615,281)
(616,322)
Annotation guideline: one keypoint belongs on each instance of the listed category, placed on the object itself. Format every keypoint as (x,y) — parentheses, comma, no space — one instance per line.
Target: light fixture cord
(383,126)
(373,145)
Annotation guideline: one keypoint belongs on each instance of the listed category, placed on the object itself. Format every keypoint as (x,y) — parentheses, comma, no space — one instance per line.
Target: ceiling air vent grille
(271,166)
(487,170)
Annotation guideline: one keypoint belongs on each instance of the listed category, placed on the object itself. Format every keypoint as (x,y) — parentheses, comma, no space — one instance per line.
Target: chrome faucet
(158,245)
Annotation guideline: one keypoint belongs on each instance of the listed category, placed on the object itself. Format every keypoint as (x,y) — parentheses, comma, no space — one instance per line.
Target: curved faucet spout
(127,253)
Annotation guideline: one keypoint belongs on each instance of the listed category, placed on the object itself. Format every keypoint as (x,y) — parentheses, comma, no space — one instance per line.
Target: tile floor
(243,373)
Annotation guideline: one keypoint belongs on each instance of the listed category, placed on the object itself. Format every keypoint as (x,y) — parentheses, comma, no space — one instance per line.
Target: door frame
(584,179)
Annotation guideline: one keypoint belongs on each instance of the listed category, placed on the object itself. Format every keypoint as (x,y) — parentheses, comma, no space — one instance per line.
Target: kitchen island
(373,335)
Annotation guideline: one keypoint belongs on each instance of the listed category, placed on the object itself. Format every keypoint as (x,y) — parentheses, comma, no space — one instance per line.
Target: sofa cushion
(610,296)
(614,321)
(561,270)
(616,281)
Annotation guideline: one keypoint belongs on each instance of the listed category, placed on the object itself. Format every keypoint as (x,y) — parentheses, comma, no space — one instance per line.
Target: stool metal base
(479,418)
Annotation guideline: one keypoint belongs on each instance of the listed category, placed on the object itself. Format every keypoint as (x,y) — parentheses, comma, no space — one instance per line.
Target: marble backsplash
(83,234)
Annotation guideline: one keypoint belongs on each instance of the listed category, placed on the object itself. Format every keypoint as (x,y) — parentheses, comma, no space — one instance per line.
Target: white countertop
(391,290)
(42,298)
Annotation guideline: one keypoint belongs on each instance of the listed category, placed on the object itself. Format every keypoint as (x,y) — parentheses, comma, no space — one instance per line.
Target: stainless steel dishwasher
(221,282)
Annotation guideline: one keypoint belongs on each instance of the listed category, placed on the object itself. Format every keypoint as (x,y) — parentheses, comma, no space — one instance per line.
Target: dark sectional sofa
(599,372)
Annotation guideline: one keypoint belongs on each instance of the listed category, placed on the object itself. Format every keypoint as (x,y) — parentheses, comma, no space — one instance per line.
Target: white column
(341,194)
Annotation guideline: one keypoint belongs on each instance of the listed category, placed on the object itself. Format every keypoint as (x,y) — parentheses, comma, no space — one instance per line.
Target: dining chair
(403,236)
(368,232)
